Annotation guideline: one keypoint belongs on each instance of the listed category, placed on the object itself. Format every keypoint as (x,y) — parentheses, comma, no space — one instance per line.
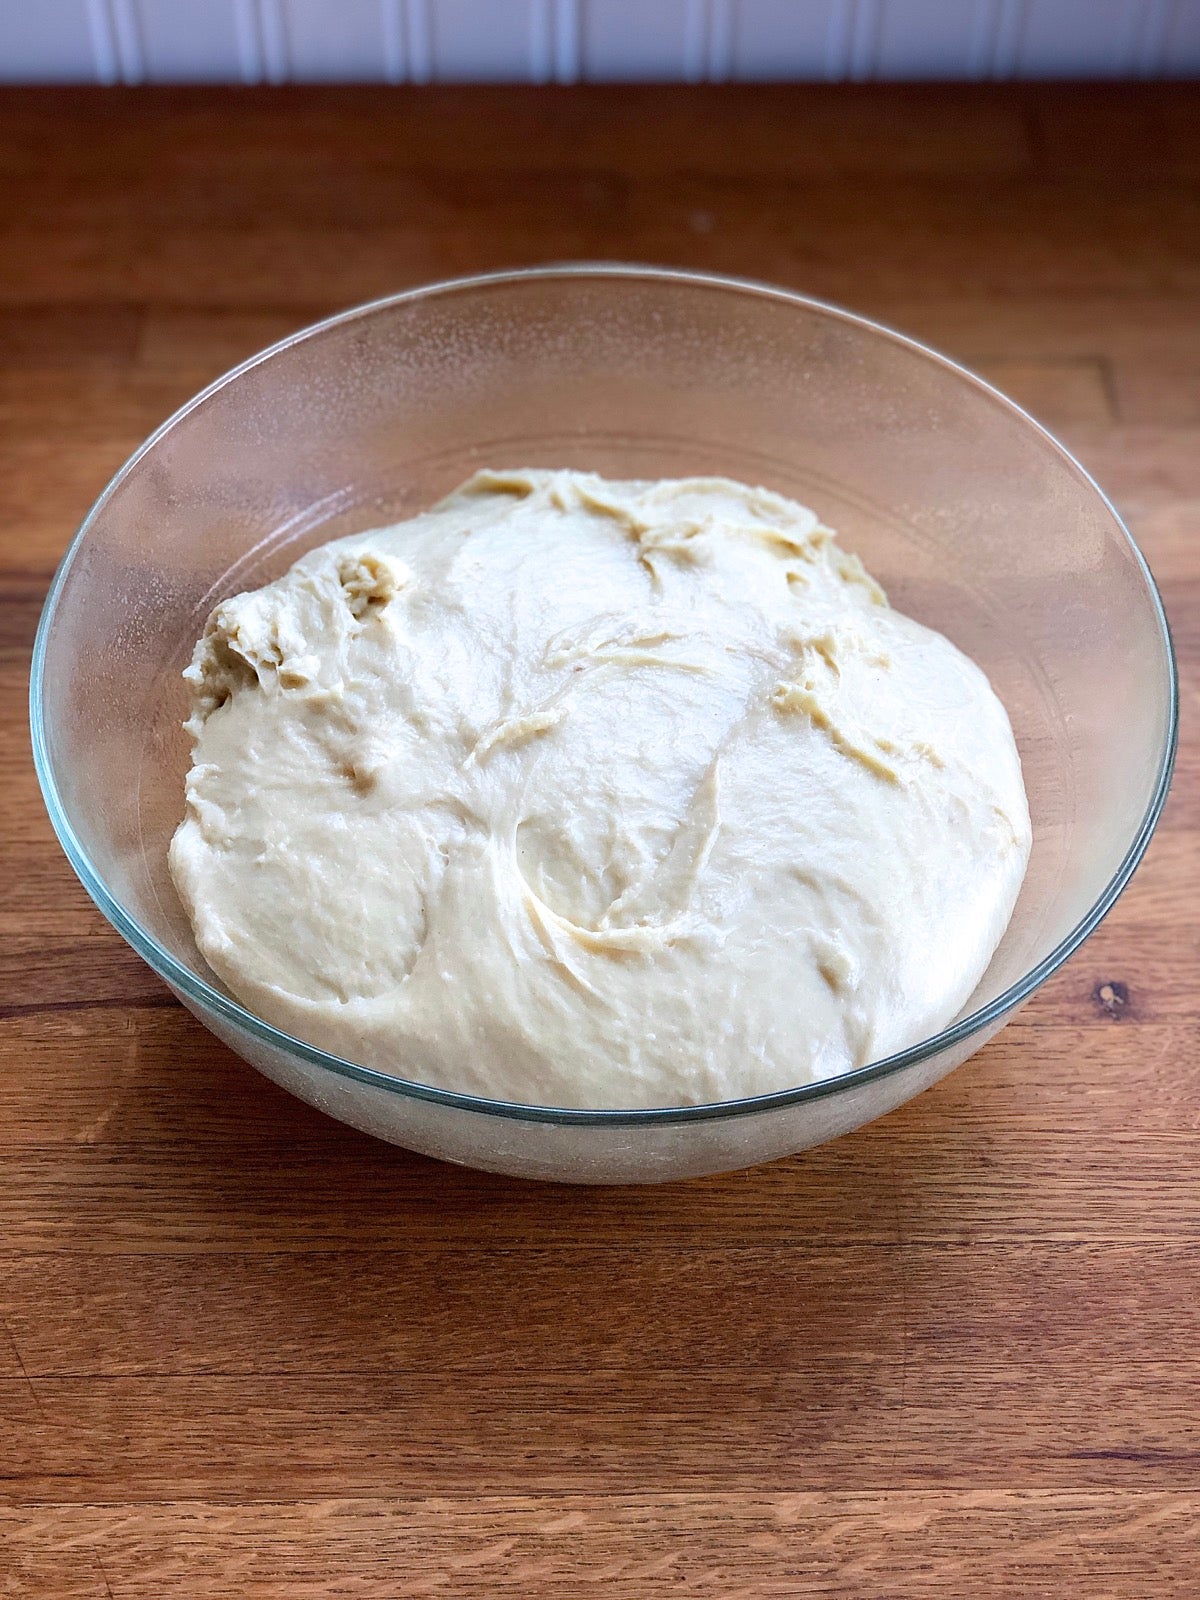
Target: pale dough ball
(582,793)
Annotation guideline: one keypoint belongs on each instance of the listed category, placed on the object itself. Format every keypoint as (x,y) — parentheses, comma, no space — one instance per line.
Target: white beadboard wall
(567,41)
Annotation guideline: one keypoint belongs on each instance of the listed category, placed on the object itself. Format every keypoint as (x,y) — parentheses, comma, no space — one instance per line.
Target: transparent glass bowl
(976,521)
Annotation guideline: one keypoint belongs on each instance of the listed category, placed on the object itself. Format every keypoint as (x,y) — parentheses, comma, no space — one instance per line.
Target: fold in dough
(584,793)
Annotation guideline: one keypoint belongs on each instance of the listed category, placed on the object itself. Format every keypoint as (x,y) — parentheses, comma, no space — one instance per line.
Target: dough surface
(584,793)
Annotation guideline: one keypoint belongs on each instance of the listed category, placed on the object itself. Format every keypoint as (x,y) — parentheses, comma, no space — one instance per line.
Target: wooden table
(247,1352)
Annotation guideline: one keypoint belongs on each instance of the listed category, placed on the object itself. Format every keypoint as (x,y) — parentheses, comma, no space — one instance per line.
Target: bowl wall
(975,521)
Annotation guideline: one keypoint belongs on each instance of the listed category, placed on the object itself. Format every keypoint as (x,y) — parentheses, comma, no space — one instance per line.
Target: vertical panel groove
(866,27)
(128,39)
(719,56)
(1152,44)
(272,32)
(394,54)
(1181,51)
(839,40)
(983,38)
(1011,19)
(249,40)
(541,41)
(1021,35)
(568,30)
(1128,44)
(418,39)
(103,42)
(695,41)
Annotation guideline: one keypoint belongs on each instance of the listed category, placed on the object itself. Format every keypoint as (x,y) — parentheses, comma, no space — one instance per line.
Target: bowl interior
(974,520)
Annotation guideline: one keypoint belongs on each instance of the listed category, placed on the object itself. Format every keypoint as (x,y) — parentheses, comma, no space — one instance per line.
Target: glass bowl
(974,519)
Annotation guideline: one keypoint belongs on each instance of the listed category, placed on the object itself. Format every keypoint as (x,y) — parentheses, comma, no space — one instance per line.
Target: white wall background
(418,41)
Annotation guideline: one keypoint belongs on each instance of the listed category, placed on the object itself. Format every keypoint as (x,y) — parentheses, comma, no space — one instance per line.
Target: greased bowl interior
(975,520)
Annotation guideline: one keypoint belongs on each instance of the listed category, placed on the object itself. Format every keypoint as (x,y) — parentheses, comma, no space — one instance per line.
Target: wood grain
(245,1351)
(629,1546)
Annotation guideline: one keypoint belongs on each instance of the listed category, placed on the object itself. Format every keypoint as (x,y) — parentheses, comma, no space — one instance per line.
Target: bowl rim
(196,991)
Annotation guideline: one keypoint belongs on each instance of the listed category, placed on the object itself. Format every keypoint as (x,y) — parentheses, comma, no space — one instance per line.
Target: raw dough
(584,793)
